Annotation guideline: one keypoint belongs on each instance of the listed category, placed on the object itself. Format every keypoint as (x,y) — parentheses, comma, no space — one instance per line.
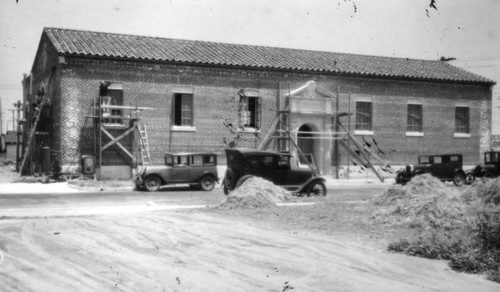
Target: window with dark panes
(363,115)
(414,122)
(462,120)
(183,109)
(249,112)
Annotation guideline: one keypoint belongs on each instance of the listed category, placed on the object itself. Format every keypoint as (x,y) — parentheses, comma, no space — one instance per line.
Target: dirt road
(176,251)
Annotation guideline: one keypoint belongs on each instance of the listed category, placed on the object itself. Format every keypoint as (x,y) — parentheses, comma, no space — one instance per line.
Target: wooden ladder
(145,157)
(32,135)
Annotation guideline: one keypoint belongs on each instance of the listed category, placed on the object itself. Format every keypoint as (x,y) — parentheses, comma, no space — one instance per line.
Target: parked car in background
(489,169)
(277,167)
(199,170)
(446,167)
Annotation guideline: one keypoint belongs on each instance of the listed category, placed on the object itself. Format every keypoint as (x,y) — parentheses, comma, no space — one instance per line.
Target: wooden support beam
(116,141)
(381,178)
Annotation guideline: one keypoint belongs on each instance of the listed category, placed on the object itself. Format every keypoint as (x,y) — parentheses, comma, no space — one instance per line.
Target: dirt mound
(425,202)
(483,191)
(255,193)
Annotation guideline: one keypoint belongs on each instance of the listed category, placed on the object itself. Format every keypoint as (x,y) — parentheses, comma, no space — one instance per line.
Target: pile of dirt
(483,192)
(424,202)
(255,193)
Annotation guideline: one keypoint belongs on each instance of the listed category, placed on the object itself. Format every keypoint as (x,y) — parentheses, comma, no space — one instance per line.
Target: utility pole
(18,109)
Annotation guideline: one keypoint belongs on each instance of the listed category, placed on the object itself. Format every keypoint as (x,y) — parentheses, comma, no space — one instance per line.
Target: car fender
(208,173)
(458,170)
(303,187)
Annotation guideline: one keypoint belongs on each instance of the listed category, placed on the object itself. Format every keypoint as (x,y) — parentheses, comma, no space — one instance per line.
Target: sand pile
(255,193)
(424,202)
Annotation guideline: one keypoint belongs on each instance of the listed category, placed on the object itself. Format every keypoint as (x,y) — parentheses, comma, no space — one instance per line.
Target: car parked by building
(199,170)
(278,167)
(446,167)
(490,168)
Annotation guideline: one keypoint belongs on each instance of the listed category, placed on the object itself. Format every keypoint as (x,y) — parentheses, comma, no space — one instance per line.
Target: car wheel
(230,179)
(207,183)
(242,180)
(152,183)
(317,188)
(489,174)
(459,179)
(469,178)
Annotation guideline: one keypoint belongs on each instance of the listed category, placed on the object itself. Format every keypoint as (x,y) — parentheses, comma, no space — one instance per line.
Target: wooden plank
(381,178)
(115,141)
(269,133)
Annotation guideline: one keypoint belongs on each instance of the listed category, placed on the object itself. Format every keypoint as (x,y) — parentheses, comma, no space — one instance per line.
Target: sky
(468,30)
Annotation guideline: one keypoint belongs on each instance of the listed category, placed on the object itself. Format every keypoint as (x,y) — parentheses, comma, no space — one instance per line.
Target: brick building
(209,96)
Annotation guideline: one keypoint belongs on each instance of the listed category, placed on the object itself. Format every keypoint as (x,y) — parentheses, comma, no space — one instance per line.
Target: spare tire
(230,179)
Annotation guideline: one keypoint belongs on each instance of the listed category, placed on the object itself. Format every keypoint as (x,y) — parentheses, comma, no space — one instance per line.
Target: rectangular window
(462,120)
(183,109)
(111,94)
(363,115)
(414,122)
(249,112)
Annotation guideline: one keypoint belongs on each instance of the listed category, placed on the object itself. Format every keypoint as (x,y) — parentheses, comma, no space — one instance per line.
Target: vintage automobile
(489,169)
(278,167)
(446,167)
(199,170)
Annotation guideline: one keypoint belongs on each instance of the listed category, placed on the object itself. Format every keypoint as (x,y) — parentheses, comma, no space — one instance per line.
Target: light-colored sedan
(199,170)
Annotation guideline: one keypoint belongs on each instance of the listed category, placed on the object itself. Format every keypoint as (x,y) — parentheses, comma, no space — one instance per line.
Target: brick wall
(215,101)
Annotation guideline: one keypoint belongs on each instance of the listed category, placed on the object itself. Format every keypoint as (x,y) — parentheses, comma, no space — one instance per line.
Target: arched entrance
(305,141)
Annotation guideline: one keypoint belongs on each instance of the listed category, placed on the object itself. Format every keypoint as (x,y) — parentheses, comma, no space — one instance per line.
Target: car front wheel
(469,178)
(459,179)
(317,188)
(152,183)
(207,183)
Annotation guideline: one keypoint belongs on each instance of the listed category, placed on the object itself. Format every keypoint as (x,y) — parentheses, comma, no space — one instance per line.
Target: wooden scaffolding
(102,115)
(282,136)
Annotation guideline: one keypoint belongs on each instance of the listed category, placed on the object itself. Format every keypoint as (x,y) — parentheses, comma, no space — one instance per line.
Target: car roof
(440,155)
(251,151)
(189,153)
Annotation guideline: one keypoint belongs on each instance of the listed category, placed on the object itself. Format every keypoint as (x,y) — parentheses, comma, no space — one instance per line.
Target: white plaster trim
(183,129)
(363,132)
(183,89)
(414,134)
(461,135)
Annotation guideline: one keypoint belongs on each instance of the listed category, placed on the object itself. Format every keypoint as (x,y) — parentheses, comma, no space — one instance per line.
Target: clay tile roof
(87,43)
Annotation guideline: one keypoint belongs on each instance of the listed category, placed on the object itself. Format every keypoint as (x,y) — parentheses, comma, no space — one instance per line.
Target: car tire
(459,179)
(152,183)
(489,174)
(225,189)
(207,183)
(242,180)
(469,178)
(316,188)
(230,179)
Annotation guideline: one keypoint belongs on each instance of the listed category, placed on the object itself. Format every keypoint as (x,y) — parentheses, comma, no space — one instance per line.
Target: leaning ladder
(31,136)
(145,158)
